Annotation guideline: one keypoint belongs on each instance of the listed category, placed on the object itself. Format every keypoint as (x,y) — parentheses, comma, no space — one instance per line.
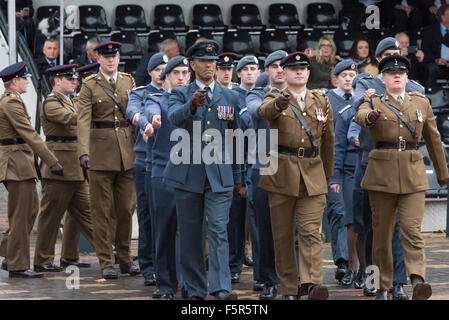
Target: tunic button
(116,107)
(385,118)
(400,113)
(302,140)
(208,122)
(304,114)
(401,126)
(209,109)
(115,118)
(284,114)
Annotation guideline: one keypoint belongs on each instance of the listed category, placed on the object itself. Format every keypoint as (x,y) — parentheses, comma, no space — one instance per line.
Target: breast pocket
(287,122)
(416,122)
(385,128)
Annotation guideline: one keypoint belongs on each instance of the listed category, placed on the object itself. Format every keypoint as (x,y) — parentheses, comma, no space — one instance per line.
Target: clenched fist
(85,162)
(57,169)
(282,101)
(373,116)
(198,99)
(149,131)
(156,123)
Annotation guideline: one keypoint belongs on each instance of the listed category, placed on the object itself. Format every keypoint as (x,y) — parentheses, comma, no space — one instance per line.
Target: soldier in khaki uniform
(105,147)
(396,175)
(70,192)
(18,141)
(299,186)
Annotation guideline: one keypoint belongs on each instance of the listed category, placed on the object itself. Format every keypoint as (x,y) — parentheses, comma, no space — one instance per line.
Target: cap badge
(209,48)
(353,66)
(397,43)
(298,57)
(165,58)
(255,60)
(184,61)
(110,46)
(395,62)
(226,59)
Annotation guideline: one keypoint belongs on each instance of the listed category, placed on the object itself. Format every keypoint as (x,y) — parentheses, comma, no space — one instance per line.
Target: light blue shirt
(155,86)
(50,62)
(341,93)
(443,29)
(202,86)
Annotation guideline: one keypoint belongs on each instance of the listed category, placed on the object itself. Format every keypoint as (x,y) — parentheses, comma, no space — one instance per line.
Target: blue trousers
(254,231)
(267,267)
(145,244)
(164,231)
(335,216)
(192,208)
(362,218)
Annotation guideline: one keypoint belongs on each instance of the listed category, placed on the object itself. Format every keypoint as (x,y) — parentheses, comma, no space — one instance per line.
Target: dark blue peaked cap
(16,70)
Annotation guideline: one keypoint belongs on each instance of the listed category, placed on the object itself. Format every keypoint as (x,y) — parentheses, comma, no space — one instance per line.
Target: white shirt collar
(395,96)
(202,85)
(300,95)
(109,77)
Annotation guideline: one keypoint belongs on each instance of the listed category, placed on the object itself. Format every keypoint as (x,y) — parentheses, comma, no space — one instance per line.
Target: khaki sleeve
(434,145)
(84,106)
(360,117)
(19,120)
(268,108)
(54,112)
(327,142)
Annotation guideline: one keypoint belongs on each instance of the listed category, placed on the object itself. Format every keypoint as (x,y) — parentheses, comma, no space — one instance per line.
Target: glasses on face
(326,45)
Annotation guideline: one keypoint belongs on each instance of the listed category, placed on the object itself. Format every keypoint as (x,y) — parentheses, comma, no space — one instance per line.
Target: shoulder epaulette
(243,110)
(367,76)
(344,109)
(417,83)
(417,94)
(139,88)
(318,91)
(90,77)
(156,94)
(274,90)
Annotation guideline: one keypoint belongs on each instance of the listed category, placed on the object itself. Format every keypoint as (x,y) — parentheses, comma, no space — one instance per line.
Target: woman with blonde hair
(322,64)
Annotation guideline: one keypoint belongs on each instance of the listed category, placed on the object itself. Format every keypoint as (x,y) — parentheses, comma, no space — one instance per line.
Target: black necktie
(348,96)
(207,93)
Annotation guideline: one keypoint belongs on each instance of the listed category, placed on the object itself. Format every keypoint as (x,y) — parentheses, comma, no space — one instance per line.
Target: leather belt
(10,141)
(299,152)
(109,124)
(61,139)
(400,145)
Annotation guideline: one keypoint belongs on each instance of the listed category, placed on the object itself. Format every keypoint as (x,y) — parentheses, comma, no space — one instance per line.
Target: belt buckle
(402,145)
(116,124)
(301,152)
(207,139)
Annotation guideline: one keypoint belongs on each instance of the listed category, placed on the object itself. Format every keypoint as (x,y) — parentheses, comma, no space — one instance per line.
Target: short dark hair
(441,10)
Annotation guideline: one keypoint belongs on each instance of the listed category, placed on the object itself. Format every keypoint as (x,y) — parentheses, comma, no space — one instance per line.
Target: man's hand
(368,93)
(156,123)
(357,142)
(282,101)
(198,99)
(442,183)
(433,9)
(243,191)
(85,162)
(374,115)
(335,187)
(149,131)
(57,169)
(136,119)
(441,62)
(420,55)
(237,187)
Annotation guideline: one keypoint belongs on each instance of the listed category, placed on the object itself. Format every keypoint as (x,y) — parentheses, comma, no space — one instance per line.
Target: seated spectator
(50,57)
(418,69)
(433,37)
(90,56)
(322,64)
(404,15)
(363,56)
(430,8)
(24,19)
(169,46)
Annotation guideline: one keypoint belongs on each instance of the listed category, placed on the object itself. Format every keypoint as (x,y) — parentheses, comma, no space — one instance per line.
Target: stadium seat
(131,48)
(191,37)
(284,16)
(239,42)
(130,18)
(273,40)
(208,17)
(442,118)
(155,38)
(321,15)
(79,43)
(93,19)
(45,12)
(246,17)
(344,40)
(169,17)
(307,38)
(375,35)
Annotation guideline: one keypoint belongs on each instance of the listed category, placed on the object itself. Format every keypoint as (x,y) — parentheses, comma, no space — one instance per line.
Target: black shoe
(28,274)
(225,295)
(398,293)
(69,262)
(184,293)
(156,294)
(109,273)
(382,295)
(369,292)
(287,297)
(268,293)
(150,280)
(48,268)
(359,281)
(4,265)
(167,296)
(248,261)
(342,268)
(130,268)
(235,277)
(258,286)
(318,292)
(422,291)
(348,278)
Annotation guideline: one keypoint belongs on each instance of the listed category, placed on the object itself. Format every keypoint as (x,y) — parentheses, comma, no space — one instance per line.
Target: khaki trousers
(309,213)
(57,197)
(23,207)
(410,208)
(109,190)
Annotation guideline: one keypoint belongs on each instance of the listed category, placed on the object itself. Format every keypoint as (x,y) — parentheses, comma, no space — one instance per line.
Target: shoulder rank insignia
(225,112)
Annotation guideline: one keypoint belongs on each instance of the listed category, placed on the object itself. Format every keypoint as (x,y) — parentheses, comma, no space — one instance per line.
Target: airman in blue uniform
(204,189)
